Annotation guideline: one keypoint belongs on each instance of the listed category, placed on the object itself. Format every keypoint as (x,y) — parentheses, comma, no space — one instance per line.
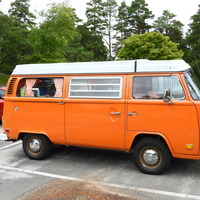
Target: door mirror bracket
(167,96)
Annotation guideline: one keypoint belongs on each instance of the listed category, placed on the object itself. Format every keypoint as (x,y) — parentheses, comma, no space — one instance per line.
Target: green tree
(138,16)
(121,27)
(109,14)
(87,41)
(8,43)
(14,34)
(152,46)
(20,11)
(193,42)
(75,52)
(168,26)
(94,13)
(23,21)
(51,37)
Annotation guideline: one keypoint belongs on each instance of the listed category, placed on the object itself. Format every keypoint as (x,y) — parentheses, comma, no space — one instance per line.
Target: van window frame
(176,99)
(97,77)
(195,83)
(34,89)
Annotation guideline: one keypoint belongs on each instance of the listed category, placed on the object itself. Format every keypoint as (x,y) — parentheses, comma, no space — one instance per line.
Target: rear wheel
(36,147)
(151,156)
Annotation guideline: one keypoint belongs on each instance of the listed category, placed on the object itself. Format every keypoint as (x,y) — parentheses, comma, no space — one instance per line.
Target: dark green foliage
(75,52)
(193,41)
(50,38)
(109,14)
(121,27)
(4,79)
(14,33)
(88,41)
(138,14)
(168,26)
(20,11)
(94,13)
(63,37)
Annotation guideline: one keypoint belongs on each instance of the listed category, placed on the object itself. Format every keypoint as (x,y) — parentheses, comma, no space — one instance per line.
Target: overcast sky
(184,9)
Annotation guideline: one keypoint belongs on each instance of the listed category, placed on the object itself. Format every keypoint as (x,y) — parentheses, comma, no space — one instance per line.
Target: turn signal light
(189,146)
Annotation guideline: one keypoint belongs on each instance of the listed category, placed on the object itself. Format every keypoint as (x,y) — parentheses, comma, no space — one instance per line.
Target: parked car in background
(2,94)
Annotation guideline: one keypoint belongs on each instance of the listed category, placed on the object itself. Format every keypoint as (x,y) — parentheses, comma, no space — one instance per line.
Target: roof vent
(11,86)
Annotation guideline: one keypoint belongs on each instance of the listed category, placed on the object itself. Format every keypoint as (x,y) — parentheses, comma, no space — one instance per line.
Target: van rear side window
(96,87)
(40,87)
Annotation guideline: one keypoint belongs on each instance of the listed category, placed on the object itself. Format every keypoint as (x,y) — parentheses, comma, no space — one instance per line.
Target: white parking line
(173,194)
(11,145)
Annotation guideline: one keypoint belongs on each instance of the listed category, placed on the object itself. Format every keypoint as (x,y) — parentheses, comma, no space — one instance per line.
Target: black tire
(36,147)
(151,156)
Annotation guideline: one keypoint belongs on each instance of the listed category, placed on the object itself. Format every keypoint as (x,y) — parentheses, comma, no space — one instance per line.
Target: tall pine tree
(110,11)
(138,16)
(193,41)
(20,10)
(14,31)
(121,27)
(168,26)
(94,13)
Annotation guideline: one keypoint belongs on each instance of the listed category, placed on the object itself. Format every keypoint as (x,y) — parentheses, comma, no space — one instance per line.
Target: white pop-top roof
(132,66)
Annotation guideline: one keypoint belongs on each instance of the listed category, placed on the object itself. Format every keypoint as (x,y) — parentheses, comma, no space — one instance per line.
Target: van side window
(40,87)
(95,87)
(153,87)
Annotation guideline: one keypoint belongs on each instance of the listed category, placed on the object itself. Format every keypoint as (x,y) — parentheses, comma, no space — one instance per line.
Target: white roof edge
(102,67)
(162,66)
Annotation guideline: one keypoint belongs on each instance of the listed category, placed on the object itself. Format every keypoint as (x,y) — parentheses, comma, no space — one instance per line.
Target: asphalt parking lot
(83,173)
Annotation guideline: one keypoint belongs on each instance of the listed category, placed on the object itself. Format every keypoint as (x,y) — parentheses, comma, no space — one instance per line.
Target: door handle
(132,113)
(61,103)
(115,113)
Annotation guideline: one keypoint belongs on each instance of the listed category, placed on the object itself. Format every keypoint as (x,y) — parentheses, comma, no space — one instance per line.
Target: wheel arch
(158,136)
(22,134)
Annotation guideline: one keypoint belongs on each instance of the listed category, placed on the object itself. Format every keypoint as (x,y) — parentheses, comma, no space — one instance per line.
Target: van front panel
(147,112)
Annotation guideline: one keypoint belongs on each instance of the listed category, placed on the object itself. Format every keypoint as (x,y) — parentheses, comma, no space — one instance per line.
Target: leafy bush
(4,80)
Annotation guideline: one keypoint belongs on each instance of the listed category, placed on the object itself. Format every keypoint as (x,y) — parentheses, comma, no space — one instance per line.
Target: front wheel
(151,156)
(36,147)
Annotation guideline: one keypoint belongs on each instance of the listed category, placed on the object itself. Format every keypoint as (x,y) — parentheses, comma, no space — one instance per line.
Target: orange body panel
(177,123)
(91,122)
(42,117)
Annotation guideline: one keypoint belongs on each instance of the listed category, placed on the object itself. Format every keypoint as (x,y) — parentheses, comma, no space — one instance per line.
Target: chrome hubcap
(150,157)
(34,145)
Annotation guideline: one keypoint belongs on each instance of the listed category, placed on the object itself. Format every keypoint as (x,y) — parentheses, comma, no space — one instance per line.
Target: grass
(4,80)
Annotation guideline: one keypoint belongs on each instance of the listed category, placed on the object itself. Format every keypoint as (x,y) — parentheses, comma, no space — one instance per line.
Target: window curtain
(59,85)
(29,84)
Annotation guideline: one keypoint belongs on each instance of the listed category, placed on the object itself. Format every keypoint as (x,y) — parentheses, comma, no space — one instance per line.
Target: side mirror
(167,96)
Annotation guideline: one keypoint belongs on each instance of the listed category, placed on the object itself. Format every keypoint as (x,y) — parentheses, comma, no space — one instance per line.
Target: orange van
(147,108)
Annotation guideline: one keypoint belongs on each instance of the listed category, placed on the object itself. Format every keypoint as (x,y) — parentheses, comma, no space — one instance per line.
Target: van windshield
(193,85)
